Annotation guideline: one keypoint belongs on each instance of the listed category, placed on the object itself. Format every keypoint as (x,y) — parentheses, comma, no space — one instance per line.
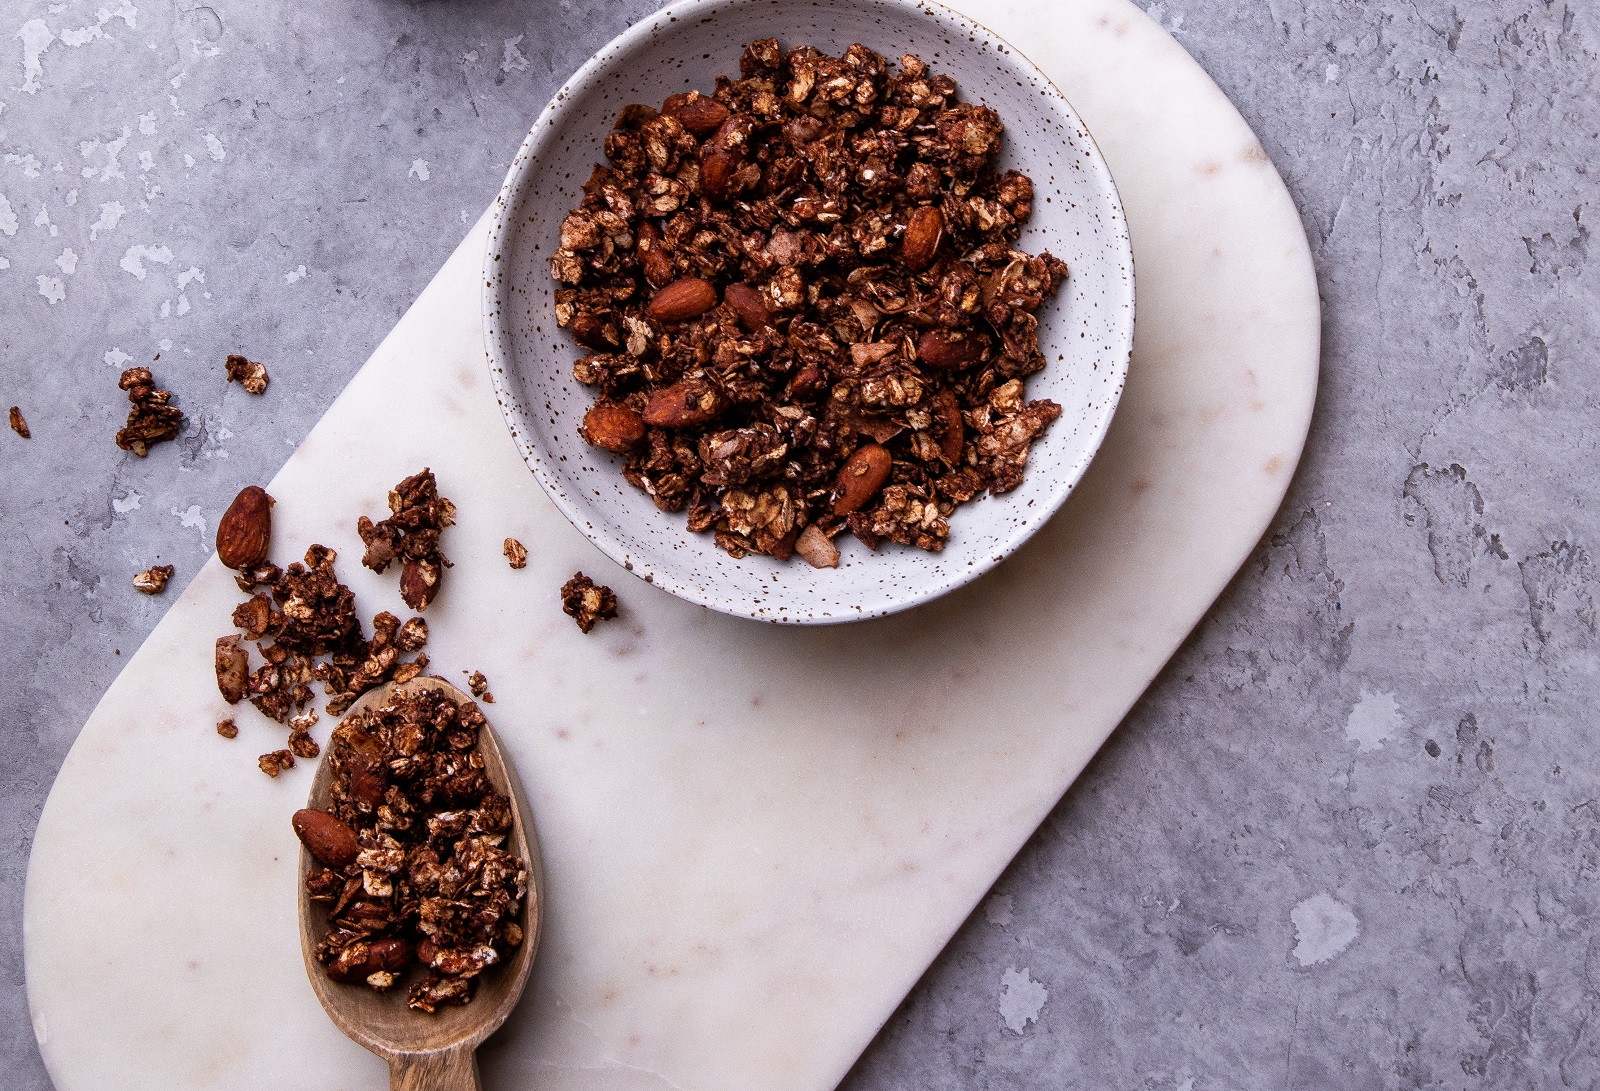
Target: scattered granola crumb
(227,728)
(516,553)
(153,580)
(479,685)
(418,514)
(151,420)
(587,602)
(276,762)
(20,427)
(248,374)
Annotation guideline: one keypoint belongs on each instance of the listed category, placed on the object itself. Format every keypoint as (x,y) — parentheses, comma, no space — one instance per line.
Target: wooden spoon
(430,1052)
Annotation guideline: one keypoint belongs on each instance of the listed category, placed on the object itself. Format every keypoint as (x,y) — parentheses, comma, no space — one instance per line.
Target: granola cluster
(413,865)
(312,633)
(152,419)
(587,602)
(803,305)
(247,373)
(418,514)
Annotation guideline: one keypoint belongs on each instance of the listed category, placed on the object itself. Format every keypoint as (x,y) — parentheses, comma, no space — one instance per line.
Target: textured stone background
(1349,838)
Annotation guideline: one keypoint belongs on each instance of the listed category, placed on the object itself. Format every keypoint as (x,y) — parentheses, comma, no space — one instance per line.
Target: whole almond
(682,300)
(717,171)
(389,955)
(750,305)
(325,837)
(947,351)
(612,427)
(700,115)
(591,331)
(233,669)
(653,256)
(947,410)
(924,233)
(245,530)
(675,102)
(860,478)
(807,382)
(682,404)
(419,582)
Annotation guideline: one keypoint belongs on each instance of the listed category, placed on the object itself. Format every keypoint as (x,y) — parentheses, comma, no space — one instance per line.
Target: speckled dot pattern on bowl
(1086,333)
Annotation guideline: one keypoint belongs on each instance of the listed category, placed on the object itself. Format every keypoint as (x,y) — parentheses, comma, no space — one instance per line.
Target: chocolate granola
(587,602)
(248,374)
(152,418)
(411,856)
(816,260)
(418,515)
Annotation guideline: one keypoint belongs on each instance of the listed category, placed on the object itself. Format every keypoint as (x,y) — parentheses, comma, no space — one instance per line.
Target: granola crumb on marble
(587,602)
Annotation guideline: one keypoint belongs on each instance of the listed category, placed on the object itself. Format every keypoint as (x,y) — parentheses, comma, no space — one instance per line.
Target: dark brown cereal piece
(152,419)
(516,553)
(275,762)
(18,425)
(153,580)
(587,602)
(479,685)
(227,728)
(248,374)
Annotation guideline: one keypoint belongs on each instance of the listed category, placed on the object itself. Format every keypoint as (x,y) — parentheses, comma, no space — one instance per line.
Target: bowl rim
(497,335)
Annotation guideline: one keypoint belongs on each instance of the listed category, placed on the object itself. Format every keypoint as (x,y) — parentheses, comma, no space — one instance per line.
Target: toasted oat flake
(516,553)
(153,580)
(227,728)
(18,425)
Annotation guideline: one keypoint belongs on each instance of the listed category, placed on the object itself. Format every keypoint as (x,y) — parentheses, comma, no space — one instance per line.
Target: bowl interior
(1085,332)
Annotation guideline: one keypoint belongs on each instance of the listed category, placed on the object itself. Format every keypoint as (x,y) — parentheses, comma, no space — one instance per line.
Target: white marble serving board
(756,837)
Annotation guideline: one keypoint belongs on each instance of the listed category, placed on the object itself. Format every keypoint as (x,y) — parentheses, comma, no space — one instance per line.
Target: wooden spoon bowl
(429,1052)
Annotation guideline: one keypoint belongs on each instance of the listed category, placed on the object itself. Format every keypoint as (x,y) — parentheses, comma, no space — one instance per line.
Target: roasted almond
(947,411)
(860,478)
(233,669)
(682,404)
(592,331)
(612,427)
(807,382)
(702,116)
(419,582)
(682,300)
(947,350)
(750,305)
(653,256)
(325,837)
(245,530)
(717,171)
(924,233)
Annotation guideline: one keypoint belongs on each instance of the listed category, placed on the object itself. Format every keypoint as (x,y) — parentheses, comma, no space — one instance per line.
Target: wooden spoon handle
(446,1070)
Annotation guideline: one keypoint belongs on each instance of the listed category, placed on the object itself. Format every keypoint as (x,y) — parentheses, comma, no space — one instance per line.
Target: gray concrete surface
(1348,840)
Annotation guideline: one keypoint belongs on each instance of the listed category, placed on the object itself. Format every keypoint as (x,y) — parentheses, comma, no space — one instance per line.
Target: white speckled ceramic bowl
(1086,333)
